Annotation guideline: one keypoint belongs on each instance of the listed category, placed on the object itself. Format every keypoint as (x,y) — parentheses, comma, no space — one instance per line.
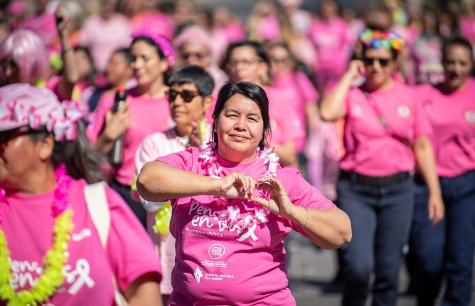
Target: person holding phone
(386,136)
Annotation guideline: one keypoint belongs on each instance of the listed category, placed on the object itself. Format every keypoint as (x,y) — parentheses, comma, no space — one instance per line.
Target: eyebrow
(238,112)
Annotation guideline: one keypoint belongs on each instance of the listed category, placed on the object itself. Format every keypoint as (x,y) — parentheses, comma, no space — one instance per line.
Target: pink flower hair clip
(162,42)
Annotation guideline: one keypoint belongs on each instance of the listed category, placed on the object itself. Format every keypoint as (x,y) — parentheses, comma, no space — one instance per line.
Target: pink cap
(27,105)
(194,34)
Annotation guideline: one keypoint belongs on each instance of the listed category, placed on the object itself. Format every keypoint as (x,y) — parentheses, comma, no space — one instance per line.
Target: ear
(45,147)
(207,102)
(263,73)
(163,65)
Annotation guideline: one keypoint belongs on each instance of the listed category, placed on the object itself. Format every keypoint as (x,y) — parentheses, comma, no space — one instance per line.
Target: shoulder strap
(98,207)
(99,210)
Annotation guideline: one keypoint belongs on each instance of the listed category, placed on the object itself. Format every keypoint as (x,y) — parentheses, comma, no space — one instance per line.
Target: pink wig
(29,53)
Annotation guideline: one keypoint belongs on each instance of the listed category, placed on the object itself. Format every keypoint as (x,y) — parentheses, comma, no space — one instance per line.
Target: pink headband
(163,43)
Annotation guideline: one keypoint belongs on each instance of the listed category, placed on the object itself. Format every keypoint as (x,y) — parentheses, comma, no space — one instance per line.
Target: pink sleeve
(98,117)
(147,151)
(181,160)
(130,249)
(309,92)
(422,126)
(301,193)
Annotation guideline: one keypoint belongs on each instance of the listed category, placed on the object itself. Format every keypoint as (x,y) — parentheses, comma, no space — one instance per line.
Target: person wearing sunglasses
(449,246)
(386,136)
(46,228)
(190,98)
(145,112)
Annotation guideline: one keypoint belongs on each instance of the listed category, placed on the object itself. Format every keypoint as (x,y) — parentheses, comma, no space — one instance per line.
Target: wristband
(306,220)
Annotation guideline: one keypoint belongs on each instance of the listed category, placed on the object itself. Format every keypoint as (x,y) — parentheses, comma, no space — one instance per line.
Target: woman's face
(379,66)
(118,71)
(280,60)
(240,128)
(146,64)
(458,64)
(182,112)
(10,70)
(245,65)
(18,158)
(83,64)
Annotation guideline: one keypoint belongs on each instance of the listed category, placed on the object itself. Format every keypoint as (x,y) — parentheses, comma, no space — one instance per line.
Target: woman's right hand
(117,123)
(236,185)
(356,69)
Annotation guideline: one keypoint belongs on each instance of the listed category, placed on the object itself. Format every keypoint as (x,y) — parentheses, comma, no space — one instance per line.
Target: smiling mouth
(238,137)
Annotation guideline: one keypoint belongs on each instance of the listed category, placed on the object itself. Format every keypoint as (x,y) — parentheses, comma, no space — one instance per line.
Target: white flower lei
(232,215)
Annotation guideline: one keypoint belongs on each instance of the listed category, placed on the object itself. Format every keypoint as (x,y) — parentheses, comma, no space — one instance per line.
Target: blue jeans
(449,245)
(381,219)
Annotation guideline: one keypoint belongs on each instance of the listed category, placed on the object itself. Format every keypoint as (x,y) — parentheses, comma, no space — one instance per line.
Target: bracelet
(306,220)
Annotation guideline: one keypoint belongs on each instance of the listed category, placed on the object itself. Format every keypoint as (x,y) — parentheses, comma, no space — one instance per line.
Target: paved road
(311,270)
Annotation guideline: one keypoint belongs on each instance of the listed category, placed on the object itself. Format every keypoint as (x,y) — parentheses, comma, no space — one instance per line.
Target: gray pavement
(311,270)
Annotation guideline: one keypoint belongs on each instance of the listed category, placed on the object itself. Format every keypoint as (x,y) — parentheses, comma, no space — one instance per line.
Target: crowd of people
(159,152)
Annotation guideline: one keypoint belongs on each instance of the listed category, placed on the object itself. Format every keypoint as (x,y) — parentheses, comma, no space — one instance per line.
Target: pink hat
(194,34)
(27,105)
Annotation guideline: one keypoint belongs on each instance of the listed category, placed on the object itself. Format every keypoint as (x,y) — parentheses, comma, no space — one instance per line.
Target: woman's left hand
(279,202)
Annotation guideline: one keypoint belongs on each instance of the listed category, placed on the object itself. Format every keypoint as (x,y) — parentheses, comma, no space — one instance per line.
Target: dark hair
(193,74)
(250,91)
(91,74)
(457,41)
(161,55)
(81,160)
(257,47)
(125,52)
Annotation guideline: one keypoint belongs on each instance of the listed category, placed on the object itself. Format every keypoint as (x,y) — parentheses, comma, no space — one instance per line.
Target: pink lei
(232,215)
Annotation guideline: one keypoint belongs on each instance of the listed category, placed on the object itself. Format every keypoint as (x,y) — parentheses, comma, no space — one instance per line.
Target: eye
(253,119)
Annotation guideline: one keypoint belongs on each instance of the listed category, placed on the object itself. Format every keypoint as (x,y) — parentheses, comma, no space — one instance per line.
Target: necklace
(232,215)
(53,261)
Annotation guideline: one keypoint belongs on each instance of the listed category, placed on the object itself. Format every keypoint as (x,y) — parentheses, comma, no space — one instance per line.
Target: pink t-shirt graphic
(370,148)
(218,264)
(28,225)
(453,119)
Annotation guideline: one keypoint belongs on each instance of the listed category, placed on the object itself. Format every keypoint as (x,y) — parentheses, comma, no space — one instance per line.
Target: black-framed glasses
(186,95)
(7,136)
(369,61)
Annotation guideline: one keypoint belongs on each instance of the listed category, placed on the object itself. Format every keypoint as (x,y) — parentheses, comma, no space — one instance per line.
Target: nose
(240,124)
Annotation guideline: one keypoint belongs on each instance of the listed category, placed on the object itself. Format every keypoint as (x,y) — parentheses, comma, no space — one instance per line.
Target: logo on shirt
(216,251)
(404,111)
(198,274)
(470,116)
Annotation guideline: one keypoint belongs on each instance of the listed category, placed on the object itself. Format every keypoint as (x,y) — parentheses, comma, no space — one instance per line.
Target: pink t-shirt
(285,123)
(149,115)
(28,225)
(218,266)
(44,26)
(370,148)
(156,21)
(103,37)
(452,117)
(331,39)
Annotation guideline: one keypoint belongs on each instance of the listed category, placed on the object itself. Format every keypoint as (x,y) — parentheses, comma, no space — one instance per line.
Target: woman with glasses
(190,98)
(247,61)
(233,205)
(50,250)
(449,246)
(146,111)
(386,136)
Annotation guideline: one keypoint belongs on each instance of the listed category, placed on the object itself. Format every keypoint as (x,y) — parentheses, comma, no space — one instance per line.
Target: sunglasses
(186,95)
(197,55)
(7,136)
(369,61)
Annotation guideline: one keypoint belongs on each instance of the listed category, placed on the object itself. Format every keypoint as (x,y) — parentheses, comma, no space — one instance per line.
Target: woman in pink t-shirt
(386,135)
(146,111)
(51,251)
(233,205)
(247,61)
(449,246)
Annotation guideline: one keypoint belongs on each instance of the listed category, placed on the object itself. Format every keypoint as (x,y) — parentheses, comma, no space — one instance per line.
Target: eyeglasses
(369,61)
(7,136)
(244,62)
(8,63)
(197,55)
(279,60)
(186,95)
